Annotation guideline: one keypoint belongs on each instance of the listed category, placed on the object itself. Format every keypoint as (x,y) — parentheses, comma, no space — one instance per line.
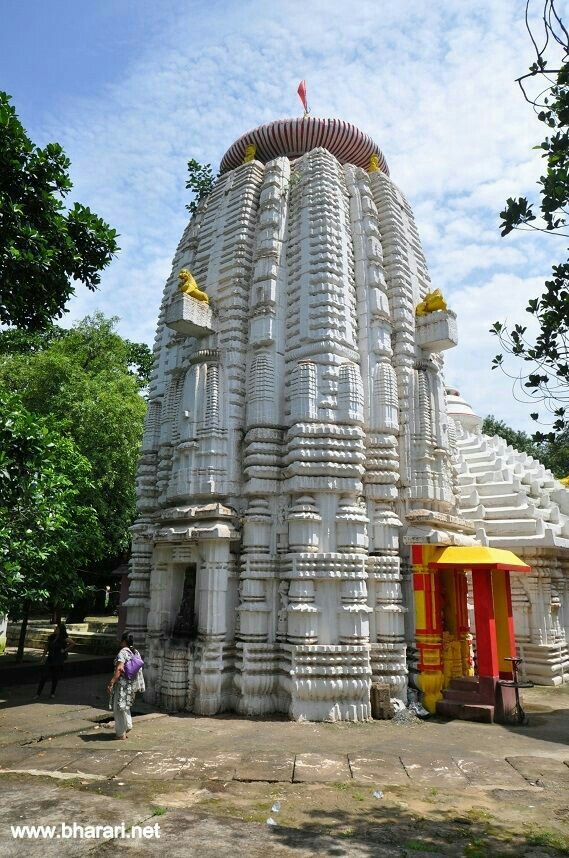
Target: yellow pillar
(428,624)
(504,621)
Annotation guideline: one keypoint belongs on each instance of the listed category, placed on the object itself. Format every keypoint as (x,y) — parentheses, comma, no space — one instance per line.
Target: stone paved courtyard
(448,788)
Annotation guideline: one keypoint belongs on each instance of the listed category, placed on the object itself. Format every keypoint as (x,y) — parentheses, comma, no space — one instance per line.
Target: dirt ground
(212,784)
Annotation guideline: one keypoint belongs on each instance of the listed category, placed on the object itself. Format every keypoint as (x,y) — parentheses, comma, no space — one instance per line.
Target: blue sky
(132,90)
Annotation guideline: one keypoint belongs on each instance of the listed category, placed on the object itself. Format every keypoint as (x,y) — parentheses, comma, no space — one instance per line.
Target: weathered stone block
(437,331)
(381,706)
(191,317)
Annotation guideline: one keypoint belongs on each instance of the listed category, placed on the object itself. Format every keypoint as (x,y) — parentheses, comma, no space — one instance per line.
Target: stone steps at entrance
(459,696)
(464,683)
(463,700)
(466,711)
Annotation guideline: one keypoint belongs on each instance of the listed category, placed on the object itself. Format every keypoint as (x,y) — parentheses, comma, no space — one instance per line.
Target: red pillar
(486,643)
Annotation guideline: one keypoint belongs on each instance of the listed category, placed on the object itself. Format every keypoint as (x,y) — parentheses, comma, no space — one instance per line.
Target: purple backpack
(133,665)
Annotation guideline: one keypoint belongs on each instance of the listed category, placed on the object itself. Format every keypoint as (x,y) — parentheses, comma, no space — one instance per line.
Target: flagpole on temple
(302,95)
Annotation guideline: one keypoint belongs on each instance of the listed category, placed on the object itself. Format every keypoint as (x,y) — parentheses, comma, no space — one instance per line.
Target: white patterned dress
(123,694)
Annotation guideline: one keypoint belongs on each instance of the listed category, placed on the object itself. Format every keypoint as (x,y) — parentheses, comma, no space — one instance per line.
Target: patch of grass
(546,837)
(262,807)
(212,804)
(341,786)
(419,845)
(476,849)
(159,811)
(347,832)
(254,816)
(478,814)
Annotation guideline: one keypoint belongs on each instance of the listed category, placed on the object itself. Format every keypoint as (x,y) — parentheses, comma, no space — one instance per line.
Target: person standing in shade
(123,690)
(54,654)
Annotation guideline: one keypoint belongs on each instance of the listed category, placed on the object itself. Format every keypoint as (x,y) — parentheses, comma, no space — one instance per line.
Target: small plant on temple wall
(200,182)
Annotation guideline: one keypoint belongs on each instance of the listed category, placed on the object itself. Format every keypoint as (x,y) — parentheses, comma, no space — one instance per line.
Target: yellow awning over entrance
(479,555)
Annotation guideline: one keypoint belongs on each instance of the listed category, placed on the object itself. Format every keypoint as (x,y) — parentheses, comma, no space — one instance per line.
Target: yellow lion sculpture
(373,166)
(189,286)
(432,302)
(250,152)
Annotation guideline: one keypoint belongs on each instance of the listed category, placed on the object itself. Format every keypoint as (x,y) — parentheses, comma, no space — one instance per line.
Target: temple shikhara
(318,515)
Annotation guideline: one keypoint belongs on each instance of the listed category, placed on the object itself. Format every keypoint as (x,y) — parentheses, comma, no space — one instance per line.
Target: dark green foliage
(48,524)
(547,355)
(94,340)
(86,385)
(200,182)
(14,340)
(44,246)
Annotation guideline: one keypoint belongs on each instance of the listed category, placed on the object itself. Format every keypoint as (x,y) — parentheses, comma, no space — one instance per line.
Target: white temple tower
(297,438)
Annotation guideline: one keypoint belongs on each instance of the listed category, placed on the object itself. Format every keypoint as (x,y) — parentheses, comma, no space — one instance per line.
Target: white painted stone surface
(292,452)
(190,317)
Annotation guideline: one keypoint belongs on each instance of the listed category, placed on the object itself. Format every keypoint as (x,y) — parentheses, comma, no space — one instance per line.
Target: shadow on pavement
(75,690)
(98,737)
(395,831)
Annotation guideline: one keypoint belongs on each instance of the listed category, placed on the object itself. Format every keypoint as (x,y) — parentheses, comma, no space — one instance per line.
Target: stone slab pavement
(321,768)
(268,767)
(377,769)
(542,771)
(133,766)
(74,734)
(66,748)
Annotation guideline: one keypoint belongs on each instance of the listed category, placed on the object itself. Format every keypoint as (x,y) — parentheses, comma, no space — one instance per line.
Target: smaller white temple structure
(517,504)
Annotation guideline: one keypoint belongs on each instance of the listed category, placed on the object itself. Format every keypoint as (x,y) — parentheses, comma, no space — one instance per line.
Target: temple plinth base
(329,683)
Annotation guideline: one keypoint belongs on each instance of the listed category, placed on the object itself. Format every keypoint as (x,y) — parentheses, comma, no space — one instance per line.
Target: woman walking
(127,680)
(56,649)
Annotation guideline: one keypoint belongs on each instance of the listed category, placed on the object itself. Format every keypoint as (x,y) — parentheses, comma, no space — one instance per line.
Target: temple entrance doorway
(186,623)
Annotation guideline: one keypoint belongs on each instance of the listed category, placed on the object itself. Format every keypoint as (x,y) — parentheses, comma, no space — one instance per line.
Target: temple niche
(300,481)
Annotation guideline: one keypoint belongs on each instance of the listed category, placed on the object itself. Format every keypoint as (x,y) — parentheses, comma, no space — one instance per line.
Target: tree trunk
(23,630)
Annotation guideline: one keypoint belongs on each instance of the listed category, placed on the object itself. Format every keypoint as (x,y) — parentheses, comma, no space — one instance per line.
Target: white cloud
(432,84)
(502,299)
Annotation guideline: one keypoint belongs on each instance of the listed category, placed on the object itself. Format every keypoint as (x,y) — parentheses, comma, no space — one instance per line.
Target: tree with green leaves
(44,245)
(87,385)
(544,376)
(200,182)
(49,528)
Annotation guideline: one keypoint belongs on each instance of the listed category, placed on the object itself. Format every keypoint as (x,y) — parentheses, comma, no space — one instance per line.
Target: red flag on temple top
(302,94)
